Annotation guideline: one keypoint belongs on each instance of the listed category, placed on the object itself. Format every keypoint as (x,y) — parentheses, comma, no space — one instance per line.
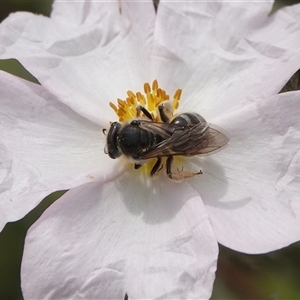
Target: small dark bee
(188,134)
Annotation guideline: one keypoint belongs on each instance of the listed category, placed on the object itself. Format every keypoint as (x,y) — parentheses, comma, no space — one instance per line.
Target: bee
(188,134)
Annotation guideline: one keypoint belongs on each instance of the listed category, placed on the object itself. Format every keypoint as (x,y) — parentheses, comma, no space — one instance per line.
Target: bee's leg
(137,166)
(157,167)
(169,166)
(162,113)
(180,174)
(141,108)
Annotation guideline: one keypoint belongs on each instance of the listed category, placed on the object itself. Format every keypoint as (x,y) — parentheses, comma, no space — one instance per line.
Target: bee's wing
(189,140)
(165,130)
(214,139)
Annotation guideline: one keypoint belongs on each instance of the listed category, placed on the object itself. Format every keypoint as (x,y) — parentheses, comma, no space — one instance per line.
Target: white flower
(111,234)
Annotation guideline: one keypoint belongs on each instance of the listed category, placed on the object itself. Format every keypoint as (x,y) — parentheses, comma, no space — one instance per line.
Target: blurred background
(275,275)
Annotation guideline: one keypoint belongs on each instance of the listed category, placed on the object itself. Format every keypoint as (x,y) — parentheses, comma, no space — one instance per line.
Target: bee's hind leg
(157,167)
(180,174)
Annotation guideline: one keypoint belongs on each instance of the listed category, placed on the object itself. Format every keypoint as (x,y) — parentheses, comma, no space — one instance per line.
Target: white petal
(88,63)
(78,13)
(251,189)
(100,241)
(223,51)
(44,147)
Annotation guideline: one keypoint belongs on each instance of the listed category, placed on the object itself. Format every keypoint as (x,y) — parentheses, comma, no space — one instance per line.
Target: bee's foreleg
(142,109)
(157,167)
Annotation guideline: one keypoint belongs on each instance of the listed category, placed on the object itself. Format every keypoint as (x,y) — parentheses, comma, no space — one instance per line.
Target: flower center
(151,136)
(153,96)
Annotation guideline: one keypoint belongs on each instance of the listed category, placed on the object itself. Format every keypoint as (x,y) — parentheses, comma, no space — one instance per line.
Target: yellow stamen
(154,85)
(121,103)
(141,98)
(152,97)
(176,98)
(113,107)
(147,88)
(130,94)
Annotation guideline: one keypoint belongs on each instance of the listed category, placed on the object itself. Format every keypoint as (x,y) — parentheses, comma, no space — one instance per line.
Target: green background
(275,275)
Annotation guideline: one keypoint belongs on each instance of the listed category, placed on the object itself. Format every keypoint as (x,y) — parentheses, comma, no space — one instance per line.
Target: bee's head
(111,147)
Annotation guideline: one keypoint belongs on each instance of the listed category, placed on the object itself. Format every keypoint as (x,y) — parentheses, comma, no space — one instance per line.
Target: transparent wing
(187,140)
(165,130)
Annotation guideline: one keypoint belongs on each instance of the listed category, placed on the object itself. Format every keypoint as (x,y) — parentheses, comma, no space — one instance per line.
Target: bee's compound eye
(112,141)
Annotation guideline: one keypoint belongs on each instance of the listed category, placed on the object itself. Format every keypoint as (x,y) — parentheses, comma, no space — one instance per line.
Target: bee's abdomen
(189,118)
